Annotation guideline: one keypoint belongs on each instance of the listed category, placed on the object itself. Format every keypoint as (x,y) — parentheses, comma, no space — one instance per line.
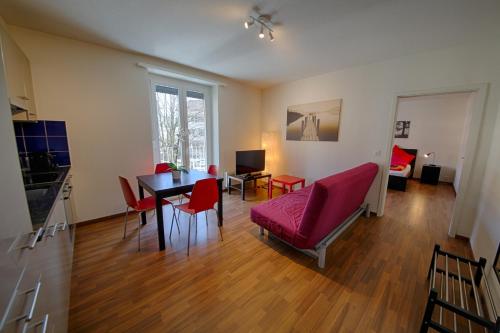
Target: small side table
(242,180)
(285,180)
(430,174)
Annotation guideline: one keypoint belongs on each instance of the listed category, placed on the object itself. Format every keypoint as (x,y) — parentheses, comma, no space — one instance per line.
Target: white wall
(368,93)
(486,234)
(437,124)
(104,99)
(15,218)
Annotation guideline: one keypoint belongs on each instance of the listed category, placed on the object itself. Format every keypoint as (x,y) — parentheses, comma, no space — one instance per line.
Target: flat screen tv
(248,161)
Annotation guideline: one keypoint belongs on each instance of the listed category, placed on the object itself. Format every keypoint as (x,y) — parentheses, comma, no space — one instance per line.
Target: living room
(101,68)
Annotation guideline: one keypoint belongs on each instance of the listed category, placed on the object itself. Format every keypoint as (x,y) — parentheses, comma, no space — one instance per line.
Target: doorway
(468,144)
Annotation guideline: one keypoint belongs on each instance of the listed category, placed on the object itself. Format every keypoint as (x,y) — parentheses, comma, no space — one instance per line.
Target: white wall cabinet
(18,75)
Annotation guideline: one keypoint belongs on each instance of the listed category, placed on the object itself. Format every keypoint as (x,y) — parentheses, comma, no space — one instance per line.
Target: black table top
(162,182)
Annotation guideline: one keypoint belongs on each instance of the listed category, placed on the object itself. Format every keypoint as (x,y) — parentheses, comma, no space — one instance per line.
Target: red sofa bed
(311,218)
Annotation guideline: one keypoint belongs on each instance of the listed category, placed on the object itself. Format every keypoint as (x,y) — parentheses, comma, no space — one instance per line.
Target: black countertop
(42,189)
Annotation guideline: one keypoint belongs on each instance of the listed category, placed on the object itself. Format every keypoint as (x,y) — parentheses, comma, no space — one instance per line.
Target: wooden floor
(374,281)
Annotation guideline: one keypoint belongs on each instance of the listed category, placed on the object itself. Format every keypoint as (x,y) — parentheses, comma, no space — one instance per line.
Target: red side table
(285,180)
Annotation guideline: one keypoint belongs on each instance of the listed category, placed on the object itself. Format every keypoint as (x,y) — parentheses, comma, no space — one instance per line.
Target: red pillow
(401,157)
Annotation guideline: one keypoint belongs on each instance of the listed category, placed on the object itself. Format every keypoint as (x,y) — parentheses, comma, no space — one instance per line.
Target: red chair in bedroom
(140,206)
(203,198)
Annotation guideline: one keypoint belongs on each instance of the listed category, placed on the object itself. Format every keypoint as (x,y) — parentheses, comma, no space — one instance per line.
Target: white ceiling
(313,37)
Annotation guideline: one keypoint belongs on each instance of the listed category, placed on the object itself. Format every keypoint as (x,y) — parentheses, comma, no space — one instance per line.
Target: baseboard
(104,218)
(462,238)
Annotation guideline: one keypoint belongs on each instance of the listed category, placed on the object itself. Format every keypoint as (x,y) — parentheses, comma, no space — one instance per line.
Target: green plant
(175,167)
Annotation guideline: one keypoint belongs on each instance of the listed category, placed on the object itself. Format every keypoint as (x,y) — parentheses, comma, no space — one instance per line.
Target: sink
(33,194)
(40,177)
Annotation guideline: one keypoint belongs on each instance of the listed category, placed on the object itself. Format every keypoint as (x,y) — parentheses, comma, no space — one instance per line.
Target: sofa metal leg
(367,211)
(322,257)
(262,231)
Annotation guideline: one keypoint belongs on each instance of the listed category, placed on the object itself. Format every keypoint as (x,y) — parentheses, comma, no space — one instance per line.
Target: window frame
(183,87)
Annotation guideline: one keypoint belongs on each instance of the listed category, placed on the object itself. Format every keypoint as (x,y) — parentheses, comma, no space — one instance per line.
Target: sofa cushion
(332,200)
(282,215)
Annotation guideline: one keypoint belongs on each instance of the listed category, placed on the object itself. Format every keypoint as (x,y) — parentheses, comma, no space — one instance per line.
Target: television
(248,161)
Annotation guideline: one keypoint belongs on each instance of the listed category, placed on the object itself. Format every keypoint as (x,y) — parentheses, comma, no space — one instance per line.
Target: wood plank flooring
(374,280)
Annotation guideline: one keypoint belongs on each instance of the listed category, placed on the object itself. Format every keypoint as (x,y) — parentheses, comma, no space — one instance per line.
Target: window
(180,123)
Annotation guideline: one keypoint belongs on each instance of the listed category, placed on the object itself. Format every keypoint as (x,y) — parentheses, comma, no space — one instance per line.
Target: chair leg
(196,225)
(262,231)
(139,233)
(125,224)
(174,217)
(189,233)
(176,221)
(172,225)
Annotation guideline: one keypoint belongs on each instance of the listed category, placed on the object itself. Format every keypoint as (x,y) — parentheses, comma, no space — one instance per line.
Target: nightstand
(430,174)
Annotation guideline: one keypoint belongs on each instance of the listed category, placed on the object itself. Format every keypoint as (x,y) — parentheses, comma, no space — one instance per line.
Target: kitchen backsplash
(43,136)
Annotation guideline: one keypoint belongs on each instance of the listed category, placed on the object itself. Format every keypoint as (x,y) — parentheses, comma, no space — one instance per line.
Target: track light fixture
(248,24)
(265,24)
(261,34)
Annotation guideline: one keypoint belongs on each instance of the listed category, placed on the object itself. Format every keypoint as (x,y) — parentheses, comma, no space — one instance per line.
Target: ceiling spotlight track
(265,23)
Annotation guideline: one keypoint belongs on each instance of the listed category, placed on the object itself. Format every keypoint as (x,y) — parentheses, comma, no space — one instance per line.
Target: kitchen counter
(42,189)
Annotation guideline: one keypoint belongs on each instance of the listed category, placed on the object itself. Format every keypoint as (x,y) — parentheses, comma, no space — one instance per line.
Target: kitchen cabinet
(35,273)
(18,76)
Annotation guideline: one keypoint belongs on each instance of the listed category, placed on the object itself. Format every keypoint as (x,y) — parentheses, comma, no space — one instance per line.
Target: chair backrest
(212,169)
(333,199)
(128,194)
(162,168)
(204,195)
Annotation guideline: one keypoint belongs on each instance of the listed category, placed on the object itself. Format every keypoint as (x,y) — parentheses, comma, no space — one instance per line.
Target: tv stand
(243,179)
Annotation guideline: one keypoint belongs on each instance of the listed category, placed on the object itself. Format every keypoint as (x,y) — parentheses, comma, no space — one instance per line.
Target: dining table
(163,185)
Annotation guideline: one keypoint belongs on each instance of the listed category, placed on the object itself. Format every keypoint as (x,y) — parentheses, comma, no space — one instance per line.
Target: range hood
(17,109)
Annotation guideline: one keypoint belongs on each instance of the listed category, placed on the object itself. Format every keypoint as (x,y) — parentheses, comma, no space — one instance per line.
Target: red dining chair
(162,168)
(212,170)
(140,206)
(203,198)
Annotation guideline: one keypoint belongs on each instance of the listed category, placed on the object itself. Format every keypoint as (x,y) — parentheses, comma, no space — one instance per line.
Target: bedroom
(429,147)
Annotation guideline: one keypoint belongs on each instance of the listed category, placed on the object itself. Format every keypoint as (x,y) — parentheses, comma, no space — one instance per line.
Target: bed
(399,178)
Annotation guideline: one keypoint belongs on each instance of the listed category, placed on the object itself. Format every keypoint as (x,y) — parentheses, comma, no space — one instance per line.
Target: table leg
(283,188)
(219,204)
(228,185)
(303,183)
(141,196)
(270,189)
(291,187)
(159,221)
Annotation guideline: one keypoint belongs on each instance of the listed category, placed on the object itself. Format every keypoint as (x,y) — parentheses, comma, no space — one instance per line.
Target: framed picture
(319,121)
(402,129)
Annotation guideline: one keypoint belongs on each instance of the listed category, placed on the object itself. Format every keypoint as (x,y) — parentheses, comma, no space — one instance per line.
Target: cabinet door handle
(31,245)
(36,290)
(53,230)
(63,226)
(43,323)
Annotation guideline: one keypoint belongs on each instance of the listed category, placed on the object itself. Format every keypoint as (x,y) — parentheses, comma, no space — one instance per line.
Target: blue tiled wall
(43,136)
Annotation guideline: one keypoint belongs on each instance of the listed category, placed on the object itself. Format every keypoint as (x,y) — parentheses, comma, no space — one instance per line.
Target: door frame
(477,111)
(183,86)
